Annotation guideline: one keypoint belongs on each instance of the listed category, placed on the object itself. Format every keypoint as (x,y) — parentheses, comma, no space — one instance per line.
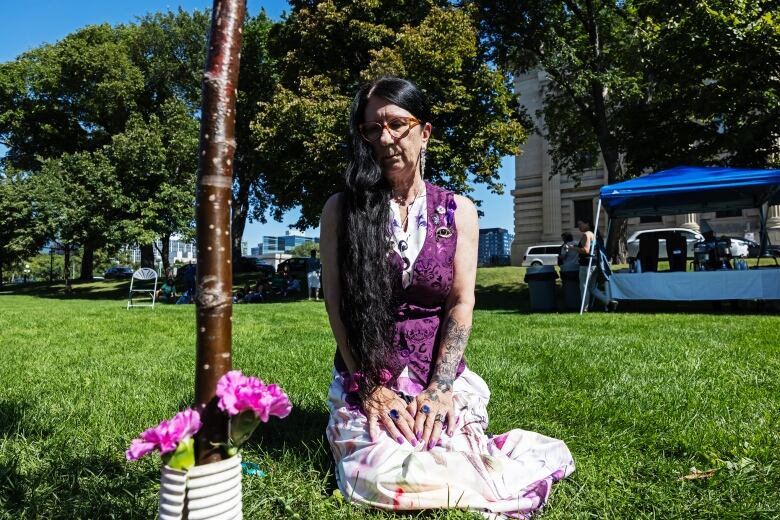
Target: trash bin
(541,287)
(570,281)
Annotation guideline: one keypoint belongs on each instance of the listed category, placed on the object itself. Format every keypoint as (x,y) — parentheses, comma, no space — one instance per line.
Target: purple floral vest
(419,317)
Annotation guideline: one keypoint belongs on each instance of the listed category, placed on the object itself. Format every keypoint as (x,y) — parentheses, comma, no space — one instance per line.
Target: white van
(544,254)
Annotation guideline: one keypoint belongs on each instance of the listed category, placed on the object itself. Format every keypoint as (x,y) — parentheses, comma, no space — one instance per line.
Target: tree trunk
(616,241)
(1,275)
(66,268)
(147,255)
(238,219)
(215,173)
(87,264)
(165,254)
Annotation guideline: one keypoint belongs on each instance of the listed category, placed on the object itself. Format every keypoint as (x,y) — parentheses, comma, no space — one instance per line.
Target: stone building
(546,206)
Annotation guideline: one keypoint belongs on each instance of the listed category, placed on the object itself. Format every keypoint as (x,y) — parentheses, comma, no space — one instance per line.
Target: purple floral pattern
(420,314)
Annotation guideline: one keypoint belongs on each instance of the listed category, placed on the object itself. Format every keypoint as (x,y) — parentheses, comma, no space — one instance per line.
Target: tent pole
(590,258)
(762,215)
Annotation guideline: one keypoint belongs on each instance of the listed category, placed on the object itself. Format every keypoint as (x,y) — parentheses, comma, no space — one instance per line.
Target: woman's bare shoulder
(466,210)
(332,210)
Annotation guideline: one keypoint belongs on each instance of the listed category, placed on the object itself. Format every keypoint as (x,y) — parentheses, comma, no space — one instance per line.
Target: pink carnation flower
(238,393)
(166,436)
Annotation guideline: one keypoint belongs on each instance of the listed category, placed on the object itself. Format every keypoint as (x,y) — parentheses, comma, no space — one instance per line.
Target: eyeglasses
(397,127)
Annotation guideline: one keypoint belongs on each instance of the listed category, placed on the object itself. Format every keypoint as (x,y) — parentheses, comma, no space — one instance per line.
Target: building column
(551,206)
(688,221)
(773,224)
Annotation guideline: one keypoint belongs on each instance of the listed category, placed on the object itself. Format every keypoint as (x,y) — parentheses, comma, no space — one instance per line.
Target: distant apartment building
(546,205)
(282,244)
(495,245)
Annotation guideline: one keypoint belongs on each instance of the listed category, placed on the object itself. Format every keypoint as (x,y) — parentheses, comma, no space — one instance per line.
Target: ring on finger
(439,418)
(394,415)
(425,409)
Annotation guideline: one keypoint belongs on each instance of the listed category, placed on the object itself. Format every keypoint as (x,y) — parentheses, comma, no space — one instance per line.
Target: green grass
(639,397)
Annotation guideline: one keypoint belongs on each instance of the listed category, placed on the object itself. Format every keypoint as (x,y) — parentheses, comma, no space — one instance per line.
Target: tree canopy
(327,49)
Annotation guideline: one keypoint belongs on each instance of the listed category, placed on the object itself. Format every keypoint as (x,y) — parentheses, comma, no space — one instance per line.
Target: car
(298,266)
(743,247)
(691,237)
(542,254)
(250,264)
(118,272)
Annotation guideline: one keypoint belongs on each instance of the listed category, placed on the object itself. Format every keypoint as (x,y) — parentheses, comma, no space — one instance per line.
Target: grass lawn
(640,397)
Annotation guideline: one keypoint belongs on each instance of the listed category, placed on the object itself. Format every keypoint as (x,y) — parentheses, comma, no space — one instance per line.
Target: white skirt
(508,475)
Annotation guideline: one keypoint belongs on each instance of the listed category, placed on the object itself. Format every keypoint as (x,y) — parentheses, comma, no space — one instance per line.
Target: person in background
(167,292)
(569,256)
(313,276)
(584,253)
(242,293)
(716,257)
(256,295)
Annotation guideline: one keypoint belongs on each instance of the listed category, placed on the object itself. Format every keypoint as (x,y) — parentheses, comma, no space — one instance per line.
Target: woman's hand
(387,407)
(434,407)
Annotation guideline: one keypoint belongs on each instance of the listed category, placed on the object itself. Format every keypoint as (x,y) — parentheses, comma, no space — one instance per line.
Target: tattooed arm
(453,344)
(457,327)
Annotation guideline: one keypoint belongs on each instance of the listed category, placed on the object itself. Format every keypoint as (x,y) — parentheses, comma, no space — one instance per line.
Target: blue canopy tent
(689,189)
(692,189)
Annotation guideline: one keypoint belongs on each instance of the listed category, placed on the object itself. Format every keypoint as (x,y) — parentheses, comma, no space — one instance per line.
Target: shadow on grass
(116,290)
(14,421)
(94,290)
(301,433)
(91,486)
(50,481)
(497,289)
(512,297)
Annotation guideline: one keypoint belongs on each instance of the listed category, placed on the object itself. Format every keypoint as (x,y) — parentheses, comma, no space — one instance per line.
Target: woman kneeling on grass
(399,256)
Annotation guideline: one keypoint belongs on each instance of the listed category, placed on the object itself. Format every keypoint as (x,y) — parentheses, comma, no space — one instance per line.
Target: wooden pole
(215,173)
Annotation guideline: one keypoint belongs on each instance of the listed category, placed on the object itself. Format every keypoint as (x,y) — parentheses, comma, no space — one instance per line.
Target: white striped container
(207,492)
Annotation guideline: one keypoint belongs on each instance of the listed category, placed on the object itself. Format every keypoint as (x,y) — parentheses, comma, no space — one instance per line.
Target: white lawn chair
(144,274)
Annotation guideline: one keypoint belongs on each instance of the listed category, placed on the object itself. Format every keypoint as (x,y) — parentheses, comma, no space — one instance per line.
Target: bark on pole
(215,172)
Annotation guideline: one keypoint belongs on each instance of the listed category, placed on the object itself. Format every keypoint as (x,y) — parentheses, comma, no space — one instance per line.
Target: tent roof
(691,189)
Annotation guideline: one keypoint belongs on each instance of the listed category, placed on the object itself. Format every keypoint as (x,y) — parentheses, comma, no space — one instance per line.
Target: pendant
(402,245)
(407,263)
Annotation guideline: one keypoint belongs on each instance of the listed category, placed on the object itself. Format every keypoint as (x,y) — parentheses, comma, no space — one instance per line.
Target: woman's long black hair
(369,282)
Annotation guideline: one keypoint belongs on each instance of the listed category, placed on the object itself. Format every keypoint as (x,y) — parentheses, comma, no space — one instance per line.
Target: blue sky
(26,25)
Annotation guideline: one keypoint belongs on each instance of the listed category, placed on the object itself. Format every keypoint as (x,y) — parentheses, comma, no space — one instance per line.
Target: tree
(711,85)
(101,82)
(581,45)
(21,229)
(80,202)
(155,163)
(645,83)
(169,49)
(305,249)
(67,97)
(256,84)
(327,48)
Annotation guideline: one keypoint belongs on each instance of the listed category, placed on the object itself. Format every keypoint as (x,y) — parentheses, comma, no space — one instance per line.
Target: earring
(422,163)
